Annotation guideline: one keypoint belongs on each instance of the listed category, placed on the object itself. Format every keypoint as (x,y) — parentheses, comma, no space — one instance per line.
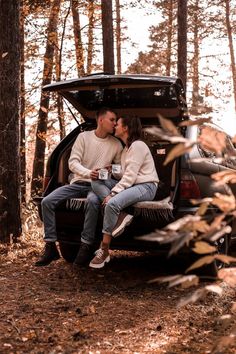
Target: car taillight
(189,188)
(45,182)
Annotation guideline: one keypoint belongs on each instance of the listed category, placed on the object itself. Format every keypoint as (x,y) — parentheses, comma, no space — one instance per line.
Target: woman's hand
(106,200)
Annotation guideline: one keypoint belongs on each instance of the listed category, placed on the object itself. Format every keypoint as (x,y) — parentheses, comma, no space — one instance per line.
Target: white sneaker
(102,256)
(124,220)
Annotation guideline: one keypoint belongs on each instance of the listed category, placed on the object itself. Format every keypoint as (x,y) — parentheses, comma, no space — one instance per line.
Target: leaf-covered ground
(59,309)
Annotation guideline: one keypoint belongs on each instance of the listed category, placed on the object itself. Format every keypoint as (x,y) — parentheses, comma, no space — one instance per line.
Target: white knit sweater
(137,166)
(90,152)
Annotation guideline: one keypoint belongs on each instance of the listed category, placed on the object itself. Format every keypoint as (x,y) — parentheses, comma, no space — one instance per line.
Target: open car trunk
(145,96)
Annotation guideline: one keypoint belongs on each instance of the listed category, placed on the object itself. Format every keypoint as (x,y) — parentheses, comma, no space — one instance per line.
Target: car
(185,178)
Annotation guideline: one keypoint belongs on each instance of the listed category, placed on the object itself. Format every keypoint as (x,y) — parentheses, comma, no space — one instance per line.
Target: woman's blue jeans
(136,193)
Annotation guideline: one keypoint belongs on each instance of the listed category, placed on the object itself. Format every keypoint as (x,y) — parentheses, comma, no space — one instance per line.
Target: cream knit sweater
(137,166)
(90,152)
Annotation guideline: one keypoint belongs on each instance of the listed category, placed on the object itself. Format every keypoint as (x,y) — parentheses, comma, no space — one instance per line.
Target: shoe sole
(122,227)
(47,263)
(100,265)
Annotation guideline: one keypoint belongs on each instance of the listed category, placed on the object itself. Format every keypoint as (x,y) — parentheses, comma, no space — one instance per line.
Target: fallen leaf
(212,140)
(44,109)
(196,295)
(177,151)
(216,223)
(215,289)
(186,281)
(201,262)
(187,123)
(165,279)
(202,247)
(224,202)
(91,309)
(167,124)
(225,259)
(224,177)
(234,306)
(202,209)
(180,223)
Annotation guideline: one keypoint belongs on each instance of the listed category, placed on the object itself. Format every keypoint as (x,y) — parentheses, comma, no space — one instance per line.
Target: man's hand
(109,168)
(94,175)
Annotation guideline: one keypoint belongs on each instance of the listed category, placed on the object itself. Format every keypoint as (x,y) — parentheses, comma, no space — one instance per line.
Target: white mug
(103,174)
(115,168)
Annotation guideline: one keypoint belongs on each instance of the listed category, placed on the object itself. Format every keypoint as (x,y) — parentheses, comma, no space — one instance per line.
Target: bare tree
(118,37)
(58,57)
(195,61)
(107,37)
(182,41)
(38,165)
(169,36)
(231,46)
(90,35)
(10,223)
(78,39)
(22,106)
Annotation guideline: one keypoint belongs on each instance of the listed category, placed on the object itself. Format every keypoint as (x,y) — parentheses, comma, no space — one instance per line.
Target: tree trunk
(58,57)
(169,37)
(195,62)
(22,107)
(118,38)
(38,165)
(231,46)
(182,41)
(10,223)
(78,39)
(107,37)
(60,112)
(90,35)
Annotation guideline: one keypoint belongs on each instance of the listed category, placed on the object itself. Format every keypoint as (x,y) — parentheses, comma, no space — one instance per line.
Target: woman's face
(120,129)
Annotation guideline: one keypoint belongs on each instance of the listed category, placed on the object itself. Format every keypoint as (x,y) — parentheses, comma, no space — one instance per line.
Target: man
(92,150)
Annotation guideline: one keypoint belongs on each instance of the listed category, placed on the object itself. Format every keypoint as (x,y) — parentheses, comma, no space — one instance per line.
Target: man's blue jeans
(59,195)
(137,193)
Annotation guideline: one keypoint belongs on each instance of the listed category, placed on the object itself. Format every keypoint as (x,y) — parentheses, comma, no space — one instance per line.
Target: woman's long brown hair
(134,126)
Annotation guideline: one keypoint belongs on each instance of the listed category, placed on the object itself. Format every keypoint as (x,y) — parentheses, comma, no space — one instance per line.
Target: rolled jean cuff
(107,232)
(51,239)
(86,241)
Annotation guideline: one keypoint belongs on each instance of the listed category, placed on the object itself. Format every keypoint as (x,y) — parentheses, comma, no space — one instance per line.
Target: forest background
(53,40)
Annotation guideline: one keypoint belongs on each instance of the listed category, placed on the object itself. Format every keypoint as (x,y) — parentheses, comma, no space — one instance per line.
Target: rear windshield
(151,97)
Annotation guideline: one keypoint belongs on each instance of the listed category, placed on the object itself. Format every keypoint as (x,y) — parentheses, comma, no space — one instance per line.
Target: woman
(138,183)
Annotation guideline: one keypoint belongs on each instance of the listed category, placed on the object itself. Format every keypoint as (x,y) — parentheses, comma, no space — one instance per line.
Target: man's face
(107,122)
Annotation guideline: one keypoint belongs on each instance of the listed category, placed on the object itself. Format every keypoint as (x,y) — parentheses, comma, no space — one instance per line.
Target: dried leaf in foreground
(167,125)
(199,294)
(224,177)
(187,123)
(228,275)
(177,151)
(184,280)
(212,140)
(202,247)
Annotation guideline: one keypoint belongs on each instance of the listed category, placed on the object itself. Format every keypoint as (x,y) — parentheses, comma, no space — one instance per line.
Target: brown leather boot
(50,254)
